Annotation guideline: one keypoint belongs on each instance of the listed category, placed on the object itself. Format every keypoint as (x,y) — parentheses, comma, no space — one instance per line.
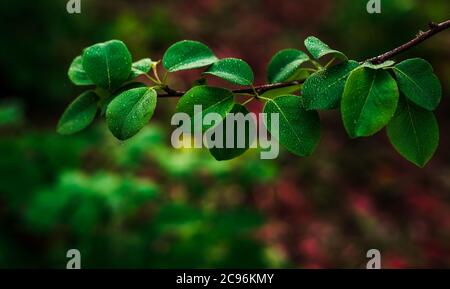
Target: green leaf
(285,64)
(224,153)
(79,114)
(369,101)
(106,100)
(130,111)
(233,70)
(212,99)
(299,129)
(414,133)
(140,67)
(77,74)
(318,49)
(108,64)
(300,74)
(417,81)
(188,54)
(385,64)
(281,91)
(323,89)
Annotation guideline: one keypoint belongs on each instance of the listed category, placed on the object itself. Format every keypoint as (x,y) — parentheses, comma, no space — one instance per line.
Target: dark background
(143,204)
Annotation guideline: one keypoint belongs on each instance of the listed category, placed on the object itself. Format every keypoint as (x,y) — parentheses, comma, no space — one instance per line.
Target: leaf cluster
(400,97)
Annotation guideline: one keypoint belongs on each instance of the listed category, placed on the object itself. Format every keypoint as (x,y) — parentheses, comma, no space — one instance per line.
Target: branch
(259,89)
(434,28)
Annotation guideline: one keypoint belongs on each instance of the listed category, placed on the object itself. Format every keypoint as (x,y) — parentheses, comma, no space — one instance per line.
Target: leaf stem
(265,98)
(255,91)
(248,101)
(151,78)
(166,74)
(316,64)
(310,69)
(155,73)
(330,62)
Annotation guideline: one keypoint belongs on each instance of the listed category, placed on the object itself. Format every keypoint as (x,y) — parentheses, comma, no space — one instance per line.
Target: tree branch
(434,28)
(259,89)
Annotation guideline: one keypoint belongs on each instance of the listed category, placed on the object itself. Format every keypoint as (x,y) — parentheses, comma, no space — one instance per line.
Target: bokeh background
(142,203)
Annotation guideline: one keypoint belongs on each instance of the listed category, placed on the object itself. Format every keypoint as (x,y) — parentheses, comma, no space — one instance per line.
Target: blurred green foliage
(125,216)
(46,39)
(11,113)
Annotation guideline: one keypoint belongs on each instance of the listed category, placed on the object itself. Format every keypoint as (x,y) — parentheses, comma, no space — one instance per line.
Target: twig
(434,28)
(260,89)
